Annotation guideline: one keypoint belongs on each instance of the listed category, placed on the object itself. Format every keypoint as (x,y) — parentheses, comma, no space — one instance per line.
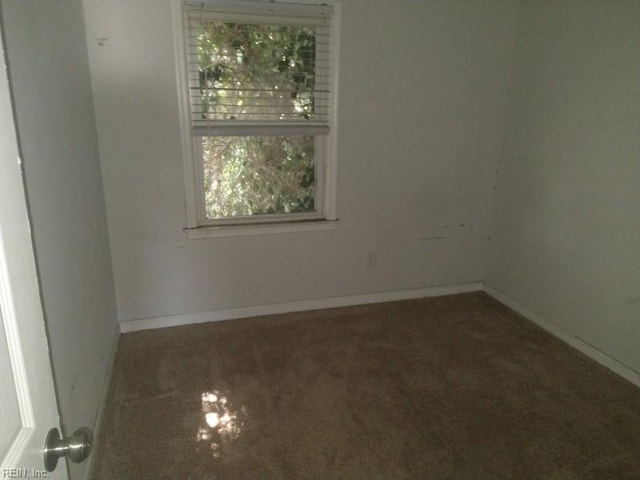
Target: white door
(27,400)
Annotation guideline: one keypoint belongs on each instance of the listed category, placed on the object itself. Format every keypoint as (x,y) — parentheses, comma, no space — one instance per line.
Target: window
(258,94)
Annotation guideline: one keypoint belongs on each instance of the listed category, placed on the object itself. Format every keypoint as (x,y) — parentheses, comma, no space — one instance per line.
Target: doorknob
(77,447)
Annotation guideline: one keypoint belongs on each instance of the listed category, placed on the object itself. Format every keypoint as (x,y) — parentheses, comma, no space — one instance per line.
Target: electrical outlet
(372,260)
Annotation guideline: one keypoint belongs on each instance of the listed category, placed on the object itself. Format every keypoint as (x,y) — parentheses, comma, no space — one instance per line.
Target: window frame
(198,225)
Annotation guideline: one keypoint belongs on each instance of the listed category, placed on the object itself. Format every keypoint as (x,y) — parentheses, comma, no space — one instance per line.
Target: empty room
(320,239)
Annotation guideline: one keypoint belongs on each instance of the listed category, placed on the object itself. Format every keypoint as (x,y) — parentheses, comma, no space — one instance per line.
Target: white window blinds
(258,68)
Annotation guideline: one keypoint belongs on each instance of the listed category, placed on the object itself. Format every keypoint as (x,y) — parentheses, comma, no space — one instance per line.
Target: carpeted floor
(455,387)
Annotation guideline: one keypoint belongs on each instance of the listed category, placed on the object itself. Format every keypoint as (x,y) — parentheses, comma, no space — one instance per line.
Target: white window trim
(217,231)
(195,229)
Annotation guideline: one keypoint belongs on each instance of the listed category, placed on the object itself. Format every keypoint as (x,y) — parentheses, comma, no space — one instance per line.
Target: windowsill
(218,231)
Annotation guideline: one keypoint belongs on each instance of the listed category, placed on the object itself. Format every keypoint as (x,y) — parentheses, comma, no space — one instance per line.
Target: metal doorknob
(76,448)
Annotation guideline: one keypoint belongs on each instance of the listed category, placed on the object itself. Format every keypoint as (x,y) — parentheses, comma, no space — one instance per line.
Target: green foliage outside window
(258,175)
(262,73)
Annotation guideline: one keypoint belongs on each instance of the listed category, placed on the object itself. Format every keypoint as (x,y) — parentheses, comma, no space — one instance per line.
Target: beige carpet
(455,387)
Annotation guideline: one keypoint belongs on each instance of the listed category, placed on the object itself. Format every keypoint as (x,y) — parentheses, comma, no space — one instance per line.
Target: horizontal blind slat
(260,8)
(280,129)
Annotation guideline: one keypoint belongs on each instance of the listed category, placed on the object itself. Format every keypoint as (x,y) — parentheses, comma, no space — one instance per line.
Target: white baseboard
(589,350)
(300,306)
(103,401)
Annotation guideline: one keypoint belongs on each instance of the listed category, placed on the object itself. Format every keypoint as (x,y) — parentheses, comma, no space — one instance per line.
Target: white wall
(566,236)
(49,73)
(422,103)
